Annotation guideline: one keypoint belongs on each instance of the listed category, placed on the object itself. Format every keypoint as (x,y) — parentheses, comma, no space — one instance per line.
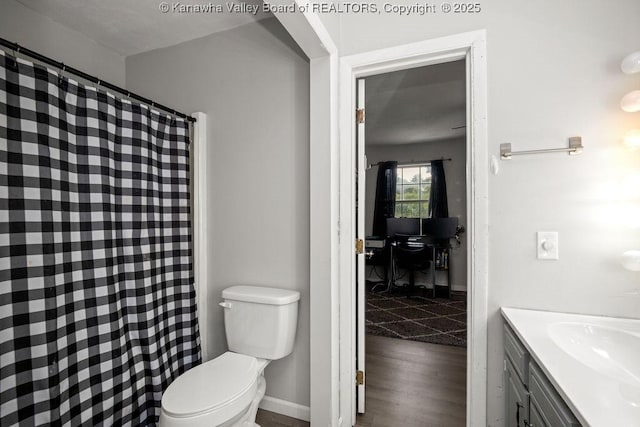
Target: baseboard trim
(284,407)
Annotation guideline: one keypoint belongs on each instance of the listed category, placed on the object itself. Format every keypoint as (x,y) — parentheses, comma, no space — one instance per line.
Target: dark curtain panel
(97,303)
(385,197)
(438,206)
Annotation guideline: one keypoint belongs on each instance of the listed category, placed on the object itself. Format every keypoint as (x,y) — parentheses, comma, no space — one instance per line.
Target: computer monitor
(440,228)
(406,226)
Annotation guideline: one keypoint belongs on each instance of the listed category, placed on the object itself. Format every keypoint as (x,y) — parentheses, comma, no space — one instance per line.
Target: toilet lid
(211,385)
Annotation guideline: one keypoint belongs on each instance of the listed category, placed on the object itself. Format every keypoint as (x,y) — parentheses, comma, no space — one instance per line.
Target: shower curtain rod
(16,48)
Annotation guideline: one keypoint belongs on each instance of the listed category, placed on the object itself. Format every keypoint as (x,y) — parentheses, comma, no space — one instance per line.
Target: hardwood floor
(409,384)
(271,419)
(413,383)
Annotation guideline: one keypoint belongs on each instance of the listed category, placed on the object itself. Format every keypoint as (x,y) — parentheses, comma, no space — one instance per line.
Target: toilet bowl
(213,393)
(260,325)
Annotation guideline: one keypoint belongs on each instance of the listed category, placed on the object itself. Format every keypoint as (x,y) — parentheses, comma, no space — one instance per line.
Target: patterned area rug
(417,317)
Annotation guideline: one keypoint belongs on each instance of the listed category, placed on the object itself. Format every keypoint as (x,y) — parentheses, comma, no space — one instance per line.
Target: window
(413,187)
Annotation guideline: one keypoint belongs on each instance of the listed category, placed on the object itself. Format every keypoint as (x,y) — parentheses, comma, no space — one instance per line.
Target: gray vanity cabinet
(516,398)
(531,400)
(535,417)
(545,401)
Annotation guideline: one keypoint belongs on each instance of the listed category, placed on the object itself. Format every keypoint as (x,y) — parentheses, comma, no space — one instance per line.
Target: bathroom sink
(609,351)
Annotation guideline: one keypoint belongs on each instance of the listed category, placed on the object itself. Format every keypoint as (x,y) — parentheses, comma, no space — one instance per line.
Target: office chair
(409,251)
(412,256)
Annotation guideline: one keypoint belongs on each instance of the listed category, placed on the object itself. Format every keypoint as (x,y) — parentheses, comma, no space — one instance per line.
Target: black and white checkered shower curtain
(97,304)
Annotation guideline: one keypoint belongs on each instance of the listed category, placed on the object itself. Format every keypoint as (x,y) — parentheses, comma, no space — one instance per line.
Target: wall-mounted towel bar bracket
(575,147)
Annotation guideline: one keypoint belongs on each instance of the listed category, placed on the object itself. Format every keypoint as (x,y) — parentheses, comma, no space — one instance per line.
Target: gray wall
(253,83)
(456,191)
(553,72)
(37,32)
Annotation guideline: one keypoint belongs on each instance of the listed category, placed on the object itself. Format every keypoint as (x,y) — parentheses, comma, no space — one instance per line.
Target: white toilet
(260,325)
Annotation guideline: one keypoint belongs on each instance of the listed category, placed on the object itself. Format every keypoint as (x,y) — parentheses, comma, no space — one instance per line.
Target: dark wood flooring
(413,383)
(271,419)
(409,384)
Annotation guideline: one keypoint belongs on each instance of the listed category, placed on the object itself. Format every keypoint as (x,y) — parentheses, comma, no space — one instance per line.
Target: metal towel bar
(575,147)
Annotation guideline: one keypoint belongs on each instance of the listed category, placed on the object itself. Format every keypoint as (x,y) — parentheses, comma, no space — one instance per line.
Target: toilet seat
(216,390)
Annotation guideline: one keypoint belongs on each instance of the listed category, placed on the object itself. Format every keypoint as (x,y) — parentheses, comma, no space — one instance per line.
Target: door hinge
(359,246)
(360,115)
(360,378)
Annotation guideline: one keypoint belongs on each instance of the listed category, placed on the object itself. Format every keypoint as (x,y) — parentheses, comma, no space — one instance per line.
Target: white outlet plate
(547,246)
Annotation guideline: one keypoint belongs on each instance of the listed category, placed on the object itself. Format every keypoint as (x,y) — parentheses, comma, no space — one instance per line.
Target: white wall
(253,82)
(553,72)
(37,32)
(456,191)
(331,22)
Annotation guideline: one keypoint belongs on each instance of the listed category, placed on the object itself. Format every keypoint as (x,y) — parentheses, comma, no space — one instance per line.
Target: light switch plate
(548,245)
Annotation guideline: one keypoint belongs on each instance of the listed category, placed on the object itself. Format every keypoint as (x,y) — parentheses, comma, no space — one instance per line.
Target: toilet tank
(260,321)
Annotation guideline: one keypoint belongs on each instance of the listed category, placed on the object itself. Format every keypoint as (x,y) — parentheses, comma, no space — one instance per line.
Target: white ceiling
(418,105)
(403,107)
(134,26)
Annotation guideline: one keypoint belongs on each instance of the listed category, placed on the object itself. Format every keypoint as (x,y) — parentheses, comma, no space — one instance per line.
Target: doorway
(469,47)
(415,251)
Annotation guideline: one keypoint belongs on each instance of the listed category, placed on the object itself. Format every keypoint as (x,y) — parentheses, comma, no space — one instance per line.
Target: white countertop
(597,398)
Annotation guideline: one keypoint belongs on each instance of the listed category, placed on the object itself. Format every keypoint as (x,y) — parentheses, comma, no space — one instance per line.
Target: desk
(376,254)
(444,248)
(440,249)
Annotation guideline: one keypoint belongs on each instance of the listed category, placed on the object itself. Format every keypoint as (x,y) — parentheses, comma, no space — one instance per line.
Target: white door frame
(472,47)
(360,234)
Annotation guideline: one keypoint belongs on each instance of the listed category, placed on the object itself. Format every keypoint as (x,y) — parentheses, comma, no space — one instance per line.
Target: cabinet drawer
(518,355)
(548,401)
(516,399)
